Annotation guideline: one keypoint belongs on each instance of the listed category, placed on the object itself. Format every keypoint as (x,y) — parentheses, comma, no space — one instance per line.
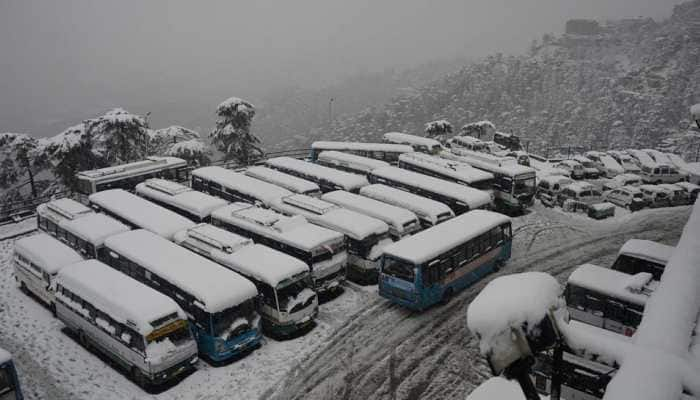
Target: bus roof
(64,208)
(256,188)
(94,228)
(393,215)
(264,264)
(434,241)
(141,212)
(181,196)
(212,239)
(364,163)
(387,147)
(123,298)
(499,165)
(152,163)
(212,285)
(289,182)
(48,253)
(647,250)
(607,281)
(452,168)
(404,138)
(474,198)
(5,356)
(418,204)
(347,180)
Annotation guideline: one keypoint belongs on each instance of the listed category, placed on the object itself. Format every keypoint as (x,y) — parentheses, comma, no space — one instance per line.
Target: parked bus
(139,329)
(458,197)
(638,255)
(379,151)
(37,260)
(366,236)
(429,211)
(418,143)
(608,299)
(127,176)
(137,212)
(431,266)
(449,170)
(514,185)
(468,143)
(235,186)
(401,221)
(289,182)
(349,162)
(220,304)
(85,235)
(289,303)
(323,250)
(328,179)
(182,199)
(9,382)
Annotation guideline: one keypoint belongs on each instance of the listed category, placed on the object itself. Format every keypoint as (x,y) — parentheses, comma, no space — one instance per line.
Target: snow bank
(48,253)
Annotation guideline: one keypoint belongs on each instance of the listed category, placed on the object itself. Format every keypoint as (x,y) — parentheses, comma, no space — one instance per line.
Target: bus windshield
(524,186)
(295,294)
(177,332)
(235,320)
(399,269)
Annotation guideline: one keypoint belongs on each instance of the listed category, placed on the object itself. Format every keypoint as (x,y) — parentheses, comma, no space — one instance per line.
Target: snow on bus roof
(647,250)
(474,198)
(418,204)
(117,171)
(347,180)
(141,212)
(388,213)
(214,286)
(181,196)
(401,138)
(289,182)
(256,188)
(433,241)
(609,282)
(452,168)
(264,264)
(501,165)
(47,252)
(211,238)
(123,298)
(66,208)
(365,163)
(389,147)
(94,228)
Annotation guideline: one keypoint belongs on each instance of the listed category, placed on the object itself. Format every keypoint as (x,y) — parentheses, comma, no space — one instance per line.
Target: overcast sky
(62,58)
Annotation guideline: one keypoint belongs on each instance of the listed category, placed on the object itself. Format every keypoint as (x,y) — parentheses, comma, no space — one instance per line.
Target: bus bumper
(236,347)
(362,271)
(173,372)
(292,327)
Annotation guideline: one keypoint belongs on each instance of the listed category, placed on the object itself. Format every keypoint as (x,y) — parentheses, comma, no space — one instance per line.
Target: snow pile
(498,388)
(512,301)
(235,104)
(157,351)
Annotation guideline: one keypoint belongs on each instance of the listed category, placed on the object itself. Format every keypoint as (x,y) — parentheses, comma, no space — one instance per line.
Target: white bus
(401,221)
(323,250)
(182,199)
(235,186)
(608,299)
(137,212)
(449,170)
(349,162)
(458,197)
(140,329)
(379,151)
(220,304)
(638,255)
(127,176)
(289,303)
(37,259)
(366,236)
(419,143)
(289,182)
(328,179)
(429,211)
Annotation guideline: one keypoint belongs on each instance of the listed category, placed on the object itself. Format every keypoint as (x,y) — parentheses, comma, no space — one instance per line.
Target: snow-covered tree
(161,140)
(71,151)
(194,151)
(118,136)
(438,129)
(480,129)
(232,133)
(19,157)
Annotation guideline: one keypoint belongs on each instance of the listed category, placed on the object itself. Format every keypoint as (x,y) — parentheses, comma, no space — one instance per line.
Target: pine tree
(232,133)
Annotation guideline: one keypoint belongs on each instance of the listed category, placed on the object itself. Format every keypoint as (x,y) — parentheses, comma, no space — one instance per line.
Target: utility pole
(330,112)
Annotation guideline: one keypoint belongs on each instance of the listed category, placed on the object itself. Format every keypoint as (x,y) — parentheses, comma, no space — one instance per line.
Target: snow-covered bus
(638,255)
(289,303)
(37,260)
(137,212)
(608,299)
(323,250)
(401,221)
(9,382)
(449,170)
(328,179)
(349,162)
(366,236)
(289,182)
(388,152)
(432,265)
(220,304)
(514,184)
(182,199)
(235,186)
(468,143)
(419,143)
(458,197)
(127,176)
(429,211)
(135,326)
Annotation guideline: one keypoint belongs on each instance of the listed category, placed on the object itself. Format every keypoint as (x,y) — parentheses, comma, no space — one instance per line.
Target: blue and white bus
(9,383)
(182,199)
(220,304)
(449,170)
(433,265)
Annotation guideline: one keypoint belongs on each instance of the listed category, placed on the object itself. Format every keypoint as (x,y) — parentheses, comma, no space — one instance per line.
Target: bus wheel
(447,296)
(23,288)
(52,308)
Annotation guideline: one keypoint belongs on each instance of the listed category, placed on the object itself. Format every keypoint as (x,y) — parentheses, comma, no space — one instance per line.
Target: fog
(64,61)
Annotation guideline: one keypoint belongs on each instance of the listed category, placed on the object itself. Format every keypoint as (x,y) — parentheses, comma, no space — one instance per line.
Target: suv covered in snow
(656,196)
(549,188)
(628,197)
(573,168)
(581,192)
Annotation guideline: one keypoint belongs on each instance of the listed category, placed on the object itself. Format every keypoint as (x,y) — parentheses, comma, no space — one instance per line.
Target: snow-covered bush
(118,136)
(438,128)
(232,133)
(161,141)
(194,151)
(479,129)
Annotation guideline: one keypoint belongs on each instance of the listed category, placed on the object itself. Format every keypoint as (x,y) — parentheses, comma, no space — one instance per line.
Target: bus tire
(23,288)
(447,296)
(52,308)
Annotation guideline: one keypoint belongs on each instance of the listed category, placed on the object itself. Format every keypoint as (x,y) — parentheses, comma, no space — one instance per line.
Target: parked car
(573,168)
(622,180)
(679,196)
(625,161)
(589,169)
(601,210)
(549,187)
(656,196)
(607,165)
(661,174)
(629,197)
(692,189)
(522,157)
(581,192)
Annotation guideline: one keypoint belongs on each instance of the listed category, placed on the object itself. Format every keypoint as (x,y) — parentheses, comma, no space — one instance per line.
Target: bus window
(399,269)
